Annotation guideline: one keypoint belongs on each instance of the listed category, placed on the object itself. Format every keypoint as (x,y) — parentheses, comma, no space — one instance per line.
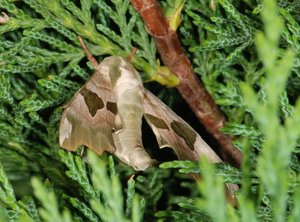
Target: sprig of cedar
(33,45)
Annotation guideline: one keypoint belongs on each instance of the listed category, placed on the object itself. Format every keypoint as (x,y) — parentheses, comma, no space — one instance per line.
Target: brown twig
(190,88)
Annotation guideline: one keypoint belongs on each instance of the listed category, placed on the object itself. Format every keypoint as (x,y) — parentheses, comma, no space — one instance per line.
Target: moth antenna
(132,54)
(88,53)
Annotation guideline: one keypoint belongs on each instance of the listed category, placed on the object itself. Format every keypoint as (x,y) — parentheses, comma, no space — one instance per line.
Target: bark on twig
(190,88)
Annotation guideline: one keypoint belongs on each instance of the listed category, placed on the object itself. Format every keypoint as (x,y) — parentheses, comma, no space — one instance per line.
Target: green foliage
(11,209)
(273,161)
(245,52)
(50,211)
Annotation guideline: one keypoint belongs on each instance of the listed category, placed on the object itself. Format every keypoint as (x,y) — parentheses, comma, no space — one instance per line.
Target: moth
(106,115)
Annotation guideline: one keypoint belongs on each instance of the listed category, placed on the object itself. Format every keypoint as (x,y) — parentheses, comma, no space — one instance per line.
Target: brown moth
(106,114)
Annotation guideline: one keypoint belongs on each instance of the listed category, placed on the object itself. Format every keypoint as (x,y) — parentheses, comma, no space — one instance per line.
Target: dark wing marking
(92,101)
(157,122)
(112,107)
(185,132)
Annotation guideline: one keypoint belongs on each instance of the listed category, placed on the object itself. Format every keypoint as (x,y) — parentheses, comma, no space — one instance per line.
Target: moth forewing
(90,116)
(172,131)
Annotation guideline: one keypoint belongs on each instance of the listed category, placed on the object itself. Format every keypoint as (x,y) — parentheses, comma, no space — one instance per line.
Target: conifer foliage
(247,55)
